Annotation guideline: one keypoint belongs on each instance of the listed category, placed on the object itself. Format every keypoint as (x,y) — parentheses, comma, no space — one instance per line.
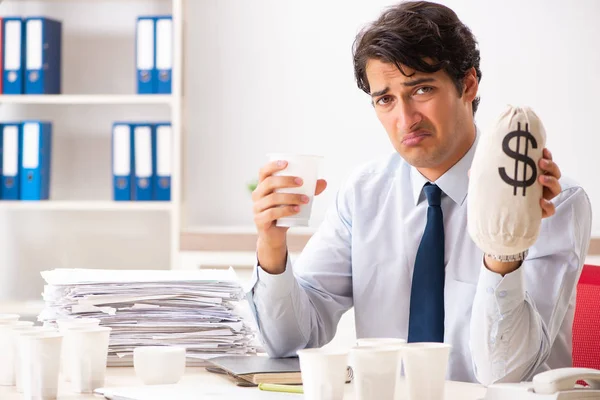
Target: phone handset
(562,379)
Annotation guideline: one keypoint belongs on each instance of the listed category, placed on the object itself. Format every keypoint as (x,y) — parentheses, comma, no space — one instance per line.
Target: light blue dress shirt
(362,256)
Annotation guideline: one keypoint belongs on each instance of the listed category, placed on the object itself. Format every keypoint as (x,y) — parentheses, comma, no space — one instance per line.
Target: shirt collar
(454,182)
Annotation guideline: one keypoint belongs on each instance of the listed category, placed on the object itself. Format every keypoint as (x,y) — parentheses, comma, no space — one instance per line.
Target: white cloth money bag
(503,208)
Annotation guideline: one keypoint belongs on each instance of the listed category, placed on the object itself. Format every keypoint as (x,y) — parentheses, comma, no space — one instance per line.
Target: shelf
(26,309)
(70,205)
(74,99)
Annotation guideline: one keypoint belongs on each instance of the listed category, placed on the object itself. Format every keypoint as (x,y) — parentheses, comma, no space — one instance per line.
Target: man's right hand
(268,207)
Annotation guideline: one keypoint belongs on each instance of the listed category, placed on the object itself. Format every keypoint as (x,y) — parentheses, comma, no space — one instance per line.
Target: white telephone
(556,384)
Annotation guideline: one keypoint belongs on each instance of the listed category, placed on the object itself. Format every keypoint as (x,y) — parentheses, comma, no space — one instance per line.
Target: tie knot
(433,193)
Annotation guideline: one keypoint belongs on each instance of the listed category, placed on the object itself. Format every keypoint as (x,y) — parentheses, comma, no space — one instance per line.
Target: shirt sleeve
(516,318)
(302,306)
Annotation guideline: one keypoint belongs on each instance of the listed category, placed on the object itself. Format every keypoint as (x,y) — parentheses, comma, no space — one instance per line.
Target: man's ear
(470,85)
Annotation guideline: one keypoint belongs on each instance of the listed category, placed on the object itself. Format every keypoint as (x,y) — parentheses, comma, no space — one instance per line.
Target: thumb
(321,185)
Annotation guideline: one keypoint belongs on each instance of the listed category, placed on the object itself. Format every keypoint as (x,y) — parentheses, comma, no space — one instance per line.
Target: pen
(271,387)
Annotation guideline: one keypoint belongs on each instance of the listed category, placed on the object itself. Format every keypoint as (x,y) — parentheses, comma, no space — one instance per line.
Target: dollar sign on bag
(516,182)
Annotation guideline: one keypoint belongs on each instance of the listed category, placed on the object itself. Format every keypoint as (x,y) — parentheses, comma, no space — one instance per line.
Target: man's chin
(418,158)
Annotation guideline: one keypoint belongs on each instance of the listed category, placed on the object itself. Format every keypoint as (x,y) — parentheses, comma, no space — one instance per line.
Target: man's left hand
(549,179)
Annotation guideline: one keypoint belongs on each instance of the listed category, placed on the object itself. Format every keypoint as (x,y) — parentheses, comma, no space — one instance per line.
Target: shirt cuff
(274,286)
(508,291)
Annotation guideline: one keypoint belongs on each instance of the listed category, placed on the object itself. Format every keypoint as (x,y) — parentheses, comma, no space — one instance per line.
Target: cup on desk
(87,356)
(375,371)
(159,365)
(65,324)
(7,370)
(323,373)
(425,366)
(305,167)
(17,332)
(39,361)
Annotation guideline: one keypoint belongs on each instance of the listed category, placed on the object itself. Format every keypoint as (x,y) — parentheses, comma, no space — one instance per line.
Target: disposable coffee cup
(375,371)
(65,324)
(305,167)
(87,357)
(323,373)
(40,357)
(425,366)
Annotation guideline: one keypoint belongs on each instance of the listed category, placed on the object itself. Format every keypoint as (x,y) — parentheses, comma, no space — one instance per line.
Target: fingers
(270,183)
(279,199)
(270,168)
(265,219)
(550,168)
(321,186)
(551,186)
(548,208)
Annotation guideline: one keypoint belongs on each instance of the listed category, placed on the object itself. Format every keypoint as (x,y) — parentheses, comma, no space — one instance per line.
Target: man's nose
(408,117)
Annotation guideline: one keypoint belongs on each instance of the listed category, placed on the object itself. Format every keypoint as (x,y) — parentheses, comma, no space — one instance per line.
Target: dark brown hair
(408,33)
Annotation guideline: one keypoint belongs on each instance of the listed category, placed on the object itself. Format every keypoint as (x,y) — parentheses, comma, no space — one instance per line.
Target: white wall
(272,75)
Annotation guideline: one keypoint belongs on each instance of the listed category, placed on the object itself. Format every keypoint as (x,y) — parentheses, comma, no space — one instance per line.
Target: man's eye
(384,100)
(424,90)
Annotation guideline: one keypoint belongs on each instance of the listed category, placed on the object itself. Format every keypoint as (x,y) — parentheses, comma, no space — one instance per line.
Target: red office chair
(586,325)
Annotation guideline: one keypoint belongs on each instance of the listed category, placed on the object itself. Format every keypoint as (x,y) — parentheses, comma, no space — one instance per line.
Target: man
(505,319)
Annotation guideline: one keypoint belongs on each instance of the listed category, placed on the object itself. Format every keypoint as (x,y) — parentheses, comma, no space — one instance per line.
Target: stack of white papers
(193,309)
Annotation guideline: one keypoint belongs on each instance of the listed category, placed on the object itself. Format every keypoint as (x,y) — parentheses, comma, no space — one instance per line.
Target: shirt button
(502,293)
(490,290)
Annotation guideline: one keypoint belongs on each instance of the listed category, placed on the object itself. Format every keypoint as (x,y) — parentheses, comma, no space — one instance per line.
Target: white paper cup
(324,373)
(8,318)
(87,357)
(375,371)
(307,168)
(425,366)
(159,365)
(386,342)
(63,325)
(16,333)
(40,355)
(7,351)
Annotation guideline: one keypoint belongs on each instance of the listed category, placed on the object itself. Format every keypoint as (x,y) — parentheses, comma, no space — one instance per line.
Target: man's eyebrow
(380,92)
(418,82)
(408,84)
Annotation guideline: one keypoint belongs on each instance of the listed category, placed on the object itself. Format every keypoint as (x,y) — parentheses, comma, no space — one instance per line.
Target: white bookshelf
(75,99)
(108,205)
(75,105)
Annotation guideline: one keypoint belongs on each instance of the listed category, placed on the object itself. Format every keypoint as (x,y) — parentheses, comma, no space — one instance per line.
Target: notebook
(262,369)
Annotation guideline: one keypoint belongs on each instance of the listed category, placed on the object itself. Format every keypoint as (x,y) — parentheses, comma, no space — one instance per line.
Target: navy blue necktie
(426,319)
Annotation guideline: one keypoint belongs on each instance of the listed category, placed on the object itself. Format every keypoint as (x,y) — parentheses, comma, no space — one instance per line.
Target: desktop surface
(200,383)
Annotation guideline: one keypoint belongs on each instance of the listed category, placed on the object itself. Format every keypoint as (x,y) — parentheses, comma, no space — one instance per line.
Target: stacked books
(192,309)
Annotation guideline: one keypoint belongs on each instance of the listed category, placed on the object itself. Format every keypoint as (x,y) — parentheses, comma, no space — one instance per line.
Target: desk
(200,378)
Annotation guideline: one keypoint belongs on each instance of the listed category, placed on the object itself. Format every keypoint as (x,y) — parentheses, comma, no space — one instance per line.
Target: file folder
(13,55)
(122,160)
(163,145)
(1,56)
(35,161)
(43,50)
(143,164)
(11,160)
(145,57)
(164,53)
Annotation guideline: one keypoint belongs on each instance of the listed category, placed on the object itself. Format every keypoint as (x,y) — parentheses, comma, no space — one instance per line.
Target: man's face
(423,114)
